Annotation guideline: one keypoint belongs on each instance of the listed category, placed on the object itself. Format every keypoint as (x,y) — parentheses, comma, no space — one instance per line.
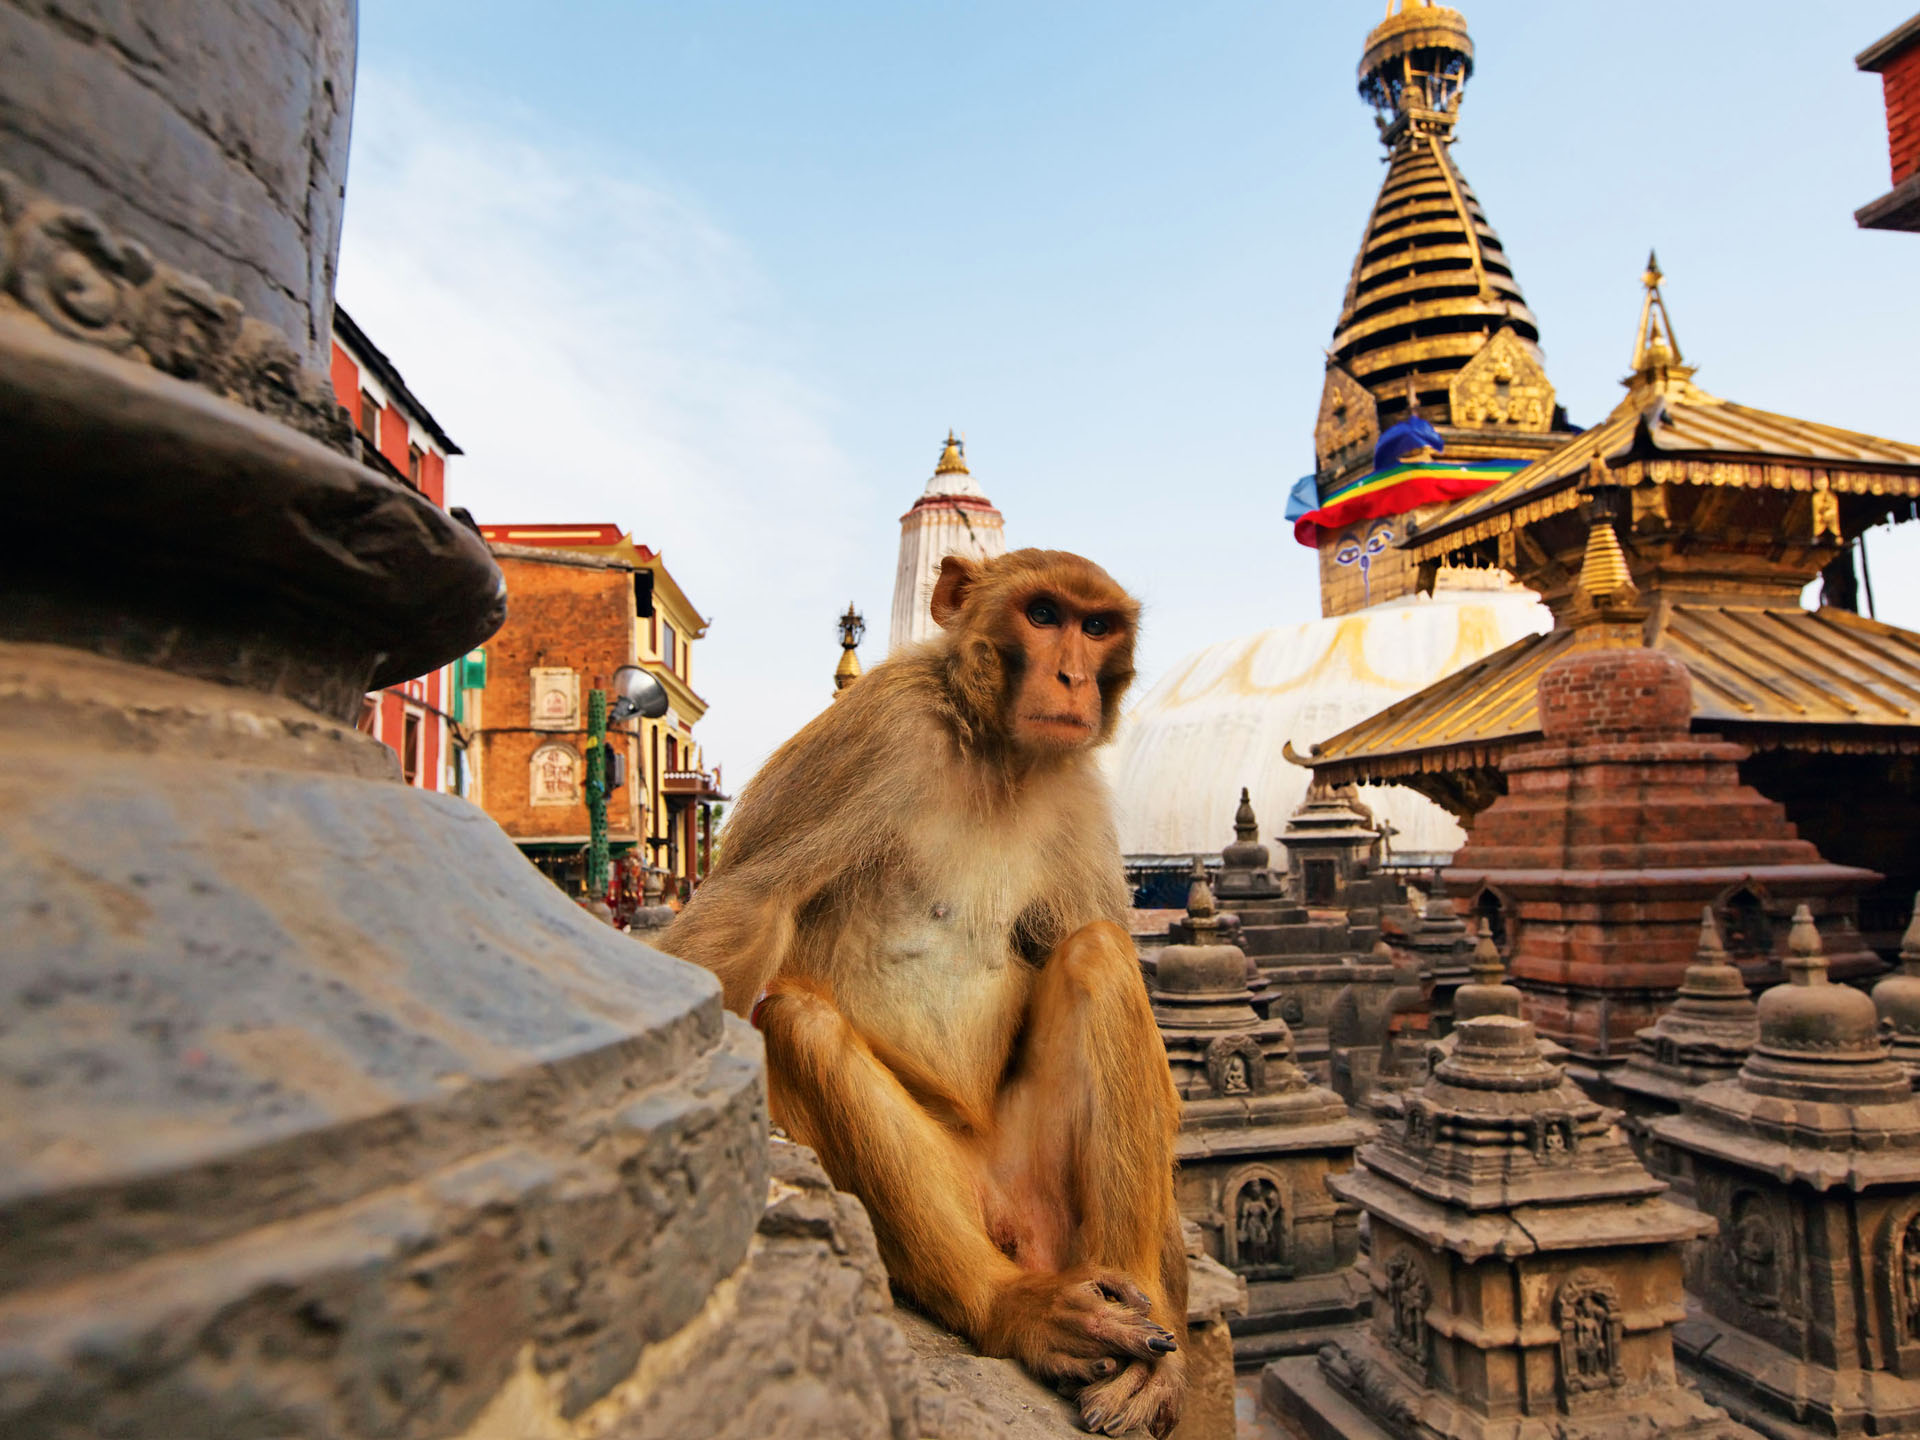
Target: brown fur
(925,885)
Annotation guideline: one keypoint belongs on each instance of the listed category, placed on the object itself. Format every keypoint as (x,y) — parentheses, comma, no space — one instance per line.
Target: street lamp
(635,693)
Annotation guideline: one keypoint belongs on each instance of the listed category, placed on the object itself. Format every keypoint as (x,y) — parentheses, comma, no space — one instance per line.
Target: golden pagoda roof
(1431,284)
(1751,664)
(1667,430)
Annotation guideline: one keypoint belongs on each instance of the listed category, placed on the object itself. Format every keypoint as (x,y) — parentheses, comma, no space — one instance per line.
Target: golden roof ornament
(1605,577)
(953,459)
(1415,67)
(1656,351)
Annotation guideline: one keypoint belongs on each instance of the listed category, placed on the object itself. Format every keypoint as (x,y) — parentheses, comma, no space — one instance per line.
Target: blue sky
(725,273)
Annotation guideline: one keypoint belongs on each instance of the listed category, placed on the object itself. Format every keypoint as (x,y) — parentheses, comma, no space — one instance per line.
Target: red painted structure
(1615,829)
(1895,58)
(400,437)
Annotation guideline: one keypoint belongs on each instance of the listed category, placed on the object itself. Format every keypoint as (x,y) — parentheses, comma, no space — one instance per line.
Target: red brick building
(1895,58)
(398,435)
(585,600)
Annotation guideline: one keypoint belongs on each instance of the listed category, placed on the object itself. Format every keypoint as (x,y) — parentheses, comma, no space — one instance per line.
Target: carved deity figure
(1590,1333)
(1755,1270)
(1407,1299)
(1910,1277)
(1257,1227)
(1234,1081)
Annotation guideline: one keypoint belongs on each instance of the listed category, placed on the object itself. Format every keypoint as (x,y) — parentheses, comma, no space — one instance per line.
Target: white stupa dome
(1219,719)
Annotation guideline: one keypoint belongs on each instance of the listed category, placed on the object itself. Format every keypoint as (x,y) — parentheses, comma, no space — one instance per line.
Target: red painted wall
(393,438)
(346,382)
(433,477)
(1901,82)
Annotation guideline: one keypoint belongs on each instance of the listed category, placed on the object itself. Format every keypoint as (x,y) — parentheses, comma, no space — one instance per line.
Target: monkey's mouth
(1071,722)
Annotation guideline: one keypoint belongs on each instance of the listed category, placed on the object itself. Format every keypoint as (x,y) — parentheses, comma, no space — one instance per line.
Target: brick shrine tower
(1620,823)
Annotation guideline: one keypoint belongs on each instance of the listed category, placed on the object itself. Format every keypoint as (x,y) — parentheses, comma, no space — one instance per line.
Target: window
(413,466)
(412,740)
(669,646)
(369,714)
(369,417)
(673,753)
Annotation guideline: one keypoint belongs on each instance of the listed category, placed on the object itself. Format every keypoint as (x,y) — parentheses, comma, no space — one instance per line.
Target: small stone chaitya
(1806,1318)
(1257,1140)
(1526,1268)
(1897,998)
(1704,1037)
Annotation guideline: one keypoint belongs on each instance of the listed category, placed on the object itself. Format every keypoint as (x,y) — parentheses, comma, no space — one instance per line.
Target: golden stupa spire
(1656,350)
(953,459)
(1410,324)
(1604,574)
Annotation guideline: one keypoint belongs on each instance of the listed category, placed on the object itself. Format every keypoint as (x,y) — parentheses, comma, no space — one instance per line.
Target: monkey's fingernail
(1161,1347)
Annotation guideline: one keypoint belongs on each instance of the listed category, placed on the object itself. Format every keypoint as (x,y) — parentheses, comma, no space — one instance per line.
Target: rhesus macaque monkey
(921,904)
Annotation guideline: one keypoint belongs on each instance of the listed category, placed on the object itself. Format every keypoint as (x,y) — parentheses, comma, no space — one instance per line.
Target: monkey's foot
(1148,1393)
(1082,1325)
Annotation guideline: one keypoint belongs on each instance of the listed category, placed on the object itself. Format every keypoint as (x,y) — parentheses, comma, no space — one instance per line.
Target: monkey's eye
(1043,613)
(1096,626)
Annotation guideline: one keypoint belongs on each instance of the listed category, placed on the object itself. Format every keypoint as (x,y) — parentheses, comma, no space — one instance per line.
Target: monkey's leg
(924,1186)
(1092,1108)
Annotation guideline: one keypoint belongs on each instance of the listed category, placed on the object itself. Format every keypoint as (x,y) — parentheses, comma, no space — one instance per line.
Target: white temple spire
(951,517)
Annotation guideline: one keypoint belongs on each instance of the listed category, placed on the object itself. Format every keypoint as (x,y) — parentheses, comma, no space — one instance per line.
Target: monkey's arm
(740,925)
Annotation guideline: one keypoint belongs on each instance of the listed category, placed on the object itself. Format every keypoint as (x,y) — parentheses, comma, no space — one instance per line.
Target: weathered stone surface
(1806,1318)
(214,135)
(1526,1270)
(1257,1143)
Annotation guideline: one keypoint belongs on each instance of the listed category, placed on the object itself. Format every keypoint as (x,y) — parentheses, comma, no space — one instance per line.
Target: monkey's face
(1039,648)
(1065,649)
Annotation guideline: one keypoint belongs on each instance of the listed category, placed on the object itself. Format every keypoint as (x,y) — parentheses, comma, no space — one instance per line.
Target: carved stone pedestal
(1257,1141)
(1806,1314)
(1526,1271)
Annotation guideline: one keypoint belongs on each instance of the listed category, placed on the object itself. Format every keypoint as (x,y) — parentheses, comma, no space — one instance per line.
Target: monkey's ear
(957,575)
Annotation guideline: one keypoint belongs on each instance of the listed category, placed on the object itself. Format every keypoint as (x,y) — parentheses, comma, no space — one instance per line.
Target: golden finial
(953,459)
(1604,573)
(1656,351)
(852,626)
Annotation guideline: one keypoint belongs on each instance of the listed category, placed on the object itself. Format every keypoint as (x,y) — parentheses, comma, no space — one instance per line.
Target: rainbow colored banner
(1398,489)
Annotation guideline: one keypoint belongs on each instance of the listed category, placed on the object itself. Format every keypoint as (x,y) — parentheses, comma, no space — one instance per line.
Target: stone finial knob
(1806,959)
(1245,826)
(1200,906)
(1487,968)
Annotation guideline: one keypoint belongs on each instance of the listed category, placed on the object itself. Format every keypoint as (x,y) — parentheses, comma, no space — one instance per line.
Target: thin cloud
(602,350)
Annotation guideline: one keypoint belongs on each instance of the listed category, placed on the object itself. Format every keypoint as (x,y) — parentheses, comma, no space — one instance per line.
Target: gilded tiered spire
(1432,285)
(852,626)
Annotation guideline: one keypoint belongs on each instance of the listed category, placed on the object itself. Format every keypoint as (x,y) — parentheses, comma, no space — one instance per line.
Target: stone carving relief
(1235,1066)
(554,774)
(68,270)
(1259,1226)
(555,698)
(1910,1279)
(1753,1243)
(1552,1136)
(1348,423)
(1407,1301)
(1503,387)
(1588,1311)
(1292,1011)
(1419,1131)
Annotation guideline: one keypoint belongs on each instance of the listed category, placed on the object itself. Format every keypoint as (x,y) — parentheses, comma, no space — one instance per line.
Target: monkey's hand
(1082,1325)
(1148,1393)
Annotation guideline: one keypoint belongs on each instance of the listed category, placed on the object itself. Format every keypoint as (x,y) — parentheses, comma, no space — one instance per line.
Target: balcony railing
(695,784)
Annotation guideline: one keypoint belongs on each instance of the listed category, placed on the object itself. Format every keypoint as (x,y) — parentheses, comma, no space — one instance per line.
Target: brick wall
(1901,82)
(561,616)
